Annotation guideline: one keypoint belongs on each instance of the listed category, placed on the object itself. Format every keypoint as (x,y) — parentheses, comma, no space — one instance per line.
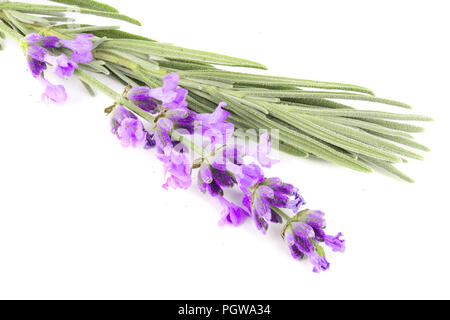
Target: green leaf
(88,88)
(91,29)
(121,75)
(362,124)
(118,34)
(253,79)
(362,114)
(396,125)
(387,167)
(9,31)
(404,141)
(173,52)
(29,19)
(39,9)
(325,95)
(364,137)
(16,23)
(89,4)
(334,138)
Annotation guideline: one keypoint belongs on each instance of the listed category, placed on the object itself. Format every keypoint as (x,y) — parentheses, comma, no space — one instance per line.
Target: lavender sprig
(222,166)
(222,161)
(309,122)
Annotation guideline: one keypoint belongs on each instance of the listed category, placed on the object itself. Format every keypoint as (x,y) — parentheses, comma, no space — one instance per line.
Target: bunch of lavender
(221,164)
(221,160)
(309,122)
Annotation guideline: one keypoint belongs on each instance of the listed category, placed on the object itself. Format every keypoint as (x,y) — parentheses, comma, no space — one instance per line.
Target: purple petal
(53,93)
(319,263)
(336,244)
(231,213)
(265,191)
(303,230)
(165,124)
(171,81)
(63,66)
(51,42)
(206,174)
(261,208)
(81,47)
(32,38)
(36,67)
(37,53)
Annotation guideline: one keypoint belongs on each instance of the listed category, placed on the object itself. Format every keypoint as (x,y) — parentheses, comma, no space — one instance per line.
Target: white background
(81,217)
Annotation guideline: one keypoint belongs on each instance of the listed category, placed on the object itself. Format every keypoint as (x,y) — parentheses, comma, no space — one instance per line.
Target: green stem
(93,82)
(281,213)
(10,32)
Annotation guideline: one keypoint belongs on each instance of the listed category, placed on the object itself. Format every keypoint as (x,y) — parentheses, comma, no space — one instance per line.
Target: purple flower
(214,125)
(163,143)
(36,67)
(127,127)
(336,244)
(248,176)
(263,150)
(285,195)
(149,140)
(319,262)
(37,53)
(179,119)
(263,194)
(53,93)
(214,180)
(304,234)
(63,66)
(81,47)
(170,95)
(264,198)
(177,166)
(140,96)
(299,241)
(231,213)
(32,38)
(51,42)
(40,53)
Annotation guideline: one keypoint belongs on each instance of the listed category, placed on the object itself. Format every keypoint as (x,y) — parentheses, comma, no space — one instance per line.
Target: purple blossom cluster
(223,164)
(303,235)
(43,51)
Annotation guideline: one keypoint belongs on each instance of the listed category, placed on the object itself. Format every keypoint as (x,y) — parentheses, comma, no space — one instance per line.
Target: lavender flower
(149,140)
(214,125)
(81,47)
(177,166)
(224,167)
(213,179)
(170,95)
(53,93)
(127,127)
(262,194)
(140,96)
(40,52)
(177,119)
(231,213)
(32,38)
(304,233)
(63,66)
(36,67)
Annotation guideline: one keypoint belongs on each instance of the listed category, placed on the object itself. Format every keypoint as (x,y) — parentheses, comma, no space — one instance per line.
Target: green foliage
(313,117)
